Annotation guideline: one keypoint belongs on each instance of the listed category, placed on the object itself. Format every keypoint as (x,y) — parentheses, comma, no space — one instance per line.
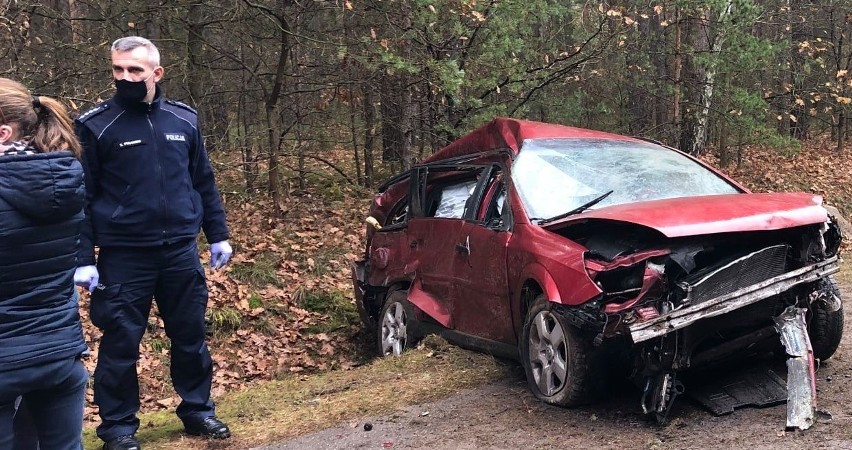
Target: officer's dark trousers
(26,435)
(120,306)
(55,393)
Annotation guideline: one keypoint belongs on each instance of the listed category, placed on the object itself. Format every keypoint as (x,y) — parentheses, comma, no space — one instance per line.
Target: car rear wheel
(825,327)
(558,361)
(397,325)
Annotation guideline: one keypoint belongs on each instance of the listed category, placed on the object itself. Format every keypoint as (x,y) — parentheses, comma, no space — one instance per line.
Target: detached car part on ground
(584,254)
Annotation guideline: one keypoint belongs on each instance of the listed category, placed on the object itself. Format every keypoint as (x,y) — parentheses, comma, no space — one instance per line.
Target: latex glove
(87,277)
(220,253)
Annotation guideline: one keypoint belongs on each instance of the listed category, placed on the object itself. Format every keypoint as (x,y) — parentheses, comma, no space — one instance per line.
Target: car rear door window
(452,199)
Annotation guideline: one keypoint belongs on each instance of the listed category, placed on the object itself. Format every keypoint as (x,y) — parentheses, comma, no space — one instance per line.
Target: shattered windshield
(556,176)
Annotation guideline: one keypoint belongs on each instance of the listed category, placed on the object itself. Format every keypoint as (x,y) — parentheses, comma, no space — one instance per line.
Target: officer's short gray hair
(130,43)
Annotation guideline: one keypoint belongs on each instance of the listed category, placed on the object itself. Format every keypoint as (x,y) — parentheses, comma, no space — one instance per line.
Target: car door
(439,200)
(480,296)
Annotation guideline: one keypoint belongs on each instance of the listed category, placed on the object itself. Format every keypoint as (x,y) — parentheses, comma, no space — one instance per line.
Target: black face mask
(131,91)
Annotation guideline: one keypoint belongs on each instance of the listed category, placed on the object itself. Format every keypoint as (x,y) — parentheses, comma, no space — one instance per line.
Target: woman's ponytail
(41,121)
(53,129)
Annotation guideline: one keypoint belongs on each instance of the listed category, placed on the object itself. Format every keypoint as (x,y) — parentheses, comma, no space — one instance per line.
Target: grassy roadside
(267,411)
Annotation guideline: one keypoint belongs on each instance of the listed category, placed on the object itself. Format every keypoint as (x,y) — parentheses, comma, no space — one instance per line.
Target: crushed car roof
(505,133)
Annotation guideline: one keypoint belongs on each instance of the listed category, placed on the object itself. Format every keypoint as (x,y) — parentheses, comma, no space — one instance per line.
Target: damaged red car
(575,251)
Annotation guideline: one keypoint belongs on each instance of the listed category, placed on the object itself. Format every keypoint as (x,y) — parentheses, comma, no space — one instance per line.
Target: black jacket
(148,178)
(41,208)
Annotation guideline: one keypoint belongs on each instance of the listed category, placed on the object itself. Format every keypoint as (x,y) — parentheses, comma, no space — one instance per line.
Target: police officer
(150,188)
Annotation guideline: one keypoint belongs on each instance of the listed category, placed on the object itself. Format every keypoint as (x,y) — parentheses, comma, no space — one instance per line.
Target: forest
(307,105)
(285,83)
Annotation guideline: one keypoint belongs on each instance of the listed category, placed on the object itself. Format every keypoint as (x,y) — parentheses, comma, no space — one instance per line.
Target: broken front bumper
(723,304)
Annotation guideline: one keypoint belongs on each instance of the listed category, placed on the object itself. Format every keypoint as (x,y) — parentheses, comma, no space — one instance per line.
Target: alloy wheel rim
(548,353)
(394,326)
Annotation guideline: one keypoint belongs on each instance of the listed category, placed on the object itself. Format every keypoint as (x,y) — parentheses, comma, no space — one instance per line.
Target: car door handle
(412,244)
(464,248)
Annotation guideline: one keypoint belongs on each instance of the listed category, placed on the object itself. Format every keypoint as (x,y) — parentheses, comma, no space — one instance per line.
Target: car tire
(397,327)
(558,362)
(825,327)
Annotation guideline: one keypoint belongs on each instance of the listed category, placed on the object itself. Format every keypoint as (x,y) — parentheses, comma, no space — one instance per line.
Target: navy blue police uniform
(150,190)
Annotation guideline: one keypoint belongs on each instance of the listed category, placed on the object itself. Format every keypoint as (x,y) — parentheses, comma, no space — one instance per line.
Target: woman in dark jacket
(41,206)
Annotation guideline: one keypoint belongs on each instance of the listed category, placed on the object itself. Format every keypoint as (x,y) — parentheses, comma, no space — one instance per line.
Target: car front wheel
(825,327)
(557,360)
(397,325)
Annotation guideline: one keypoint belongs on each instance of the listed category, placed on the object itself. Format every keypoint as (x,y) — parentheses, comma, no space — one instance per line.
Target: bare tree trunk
(842,59)
(298,110)
(431,114)
(396,103)
(724,151)
(303,172)
(271,106)
(396,120)
(21,38)
(636,92)
(783,102)
(194,43)
(354,134)
(798,124)
(272,160)
(390,99)
(678,68)
(76,14)
(707,79)
(348,22)
(370,125)
(405,125)
(247,143)
(151,27)
(699,141)
(659,59)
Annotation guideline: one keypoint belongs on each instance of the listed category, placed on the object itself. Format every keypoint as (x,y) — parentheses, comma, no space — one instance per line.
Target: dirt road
(505,415)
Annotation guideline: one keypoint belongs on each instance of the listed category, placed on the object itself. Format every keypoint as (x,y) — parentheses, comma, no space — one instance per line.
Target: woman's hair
(41,121)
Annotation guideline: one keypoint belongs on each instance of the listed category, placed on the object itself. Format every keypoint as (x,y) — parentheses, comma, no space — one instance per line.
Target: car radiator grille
(737,274)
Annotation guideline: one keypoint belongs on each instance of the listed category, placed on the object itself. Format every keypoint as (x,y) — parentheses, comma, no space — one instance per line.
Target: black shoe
(208,426)
(122,443)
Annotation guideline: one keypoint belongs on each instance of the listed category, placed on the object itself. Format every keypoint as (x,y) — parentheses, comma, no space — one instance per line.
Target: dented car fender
(544,257)
(537,273)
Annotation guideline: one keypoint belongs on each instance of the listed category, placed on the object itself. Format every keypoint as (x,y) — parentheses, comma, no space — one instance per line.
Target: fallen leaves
(312,248)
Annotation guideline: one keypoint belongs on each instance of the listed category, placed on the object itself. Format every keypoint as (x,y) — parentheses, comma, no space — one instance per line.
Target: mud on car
(572,250)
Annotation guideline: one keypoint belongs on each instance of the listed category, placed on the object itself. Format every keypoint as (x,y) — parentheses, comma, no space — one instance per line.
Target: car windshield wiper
(576,210)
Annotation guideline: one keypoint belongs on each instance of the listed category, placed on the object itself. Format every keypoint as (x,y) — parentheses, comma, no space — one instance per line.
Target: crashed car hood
(688,216)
